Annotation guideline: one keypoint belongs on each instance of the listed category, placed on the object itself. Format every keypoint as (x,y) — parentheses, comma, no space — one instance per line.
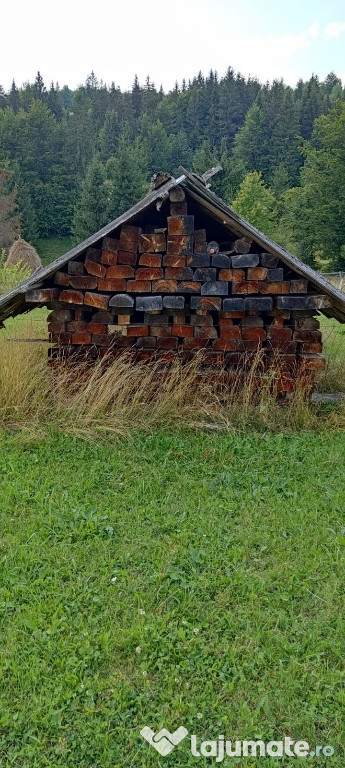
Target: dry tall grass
(122,396)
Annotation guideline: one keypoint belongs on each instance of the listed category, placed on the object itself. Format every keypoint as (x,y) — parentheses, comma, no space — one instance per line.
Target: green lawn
(171,579)
(51,248)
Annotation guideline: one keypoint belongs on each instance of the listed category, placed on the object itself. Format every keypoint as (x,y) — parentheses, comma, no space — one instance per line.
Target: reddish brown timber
(126,257)
(245,286)
(111,285)
(164,286)
(283,287)
(180,225)
(120,271)
(180,245)
(61,278)
(96,300)
(150,260)
(41,295)
(93,268)
(109,257)
(83,282)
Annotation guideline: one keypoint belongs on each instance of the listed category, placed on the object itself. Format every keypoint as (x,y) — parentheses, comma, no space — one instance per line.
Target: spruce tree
(90,212)
(127,179)
(14,98)
(109,135)
(255,202)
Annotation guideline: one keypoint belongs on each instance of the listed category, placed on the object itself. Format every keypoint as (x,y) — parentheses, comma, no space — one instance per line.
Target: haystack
(23,252)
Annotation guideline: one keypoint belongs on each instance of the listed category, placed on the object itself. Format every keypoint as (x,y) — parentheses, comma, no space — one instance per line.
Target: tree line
(79,158)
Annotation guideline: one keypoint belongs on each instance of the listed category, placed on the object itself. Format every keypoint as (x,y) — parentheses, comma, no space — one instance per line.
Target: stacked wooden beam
(171,291)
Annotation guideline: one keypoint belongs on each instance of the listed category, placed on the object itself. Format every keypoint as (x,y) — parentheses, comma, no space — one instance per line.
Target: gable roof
(13,302)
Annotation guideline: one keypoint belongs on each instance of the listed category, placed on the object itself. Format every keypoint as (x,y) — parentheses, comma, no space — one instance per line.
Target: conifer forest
(72,160)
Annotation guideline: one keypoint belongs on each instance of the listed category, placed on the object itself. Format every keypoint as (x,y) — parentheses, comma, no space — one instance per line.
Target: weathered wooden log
(275,274)
(83,282)
(97,300)
(173,302)
(178,209)
(283,287)
(148,303)
(112,284)
(120,272)
(108,244)
(267,260)
(127,257)
(75,268)
(129,237)
(149,273)
(108,258)
(245,286)
(178,273)
(257,273)
(150,260)
(215,288)
(177,195)
(206,303)
(245,260)
(299,286)
(180,225)
(94,268)
(242,245)
(152,243)
(121,300)
(72,297)
(232,275)
(180,245)
(221,260)
(164,286)
(199,260)
(139,286)
(61,278)
(233,305)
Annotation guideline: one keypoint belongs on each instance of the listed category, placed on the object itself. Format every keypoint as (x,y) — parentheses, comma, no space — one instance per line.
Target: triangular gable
(14,301)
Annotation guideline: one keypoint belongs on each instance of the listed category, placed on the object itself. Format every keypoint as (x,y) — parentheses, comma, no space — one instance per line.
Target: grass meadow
(168,557)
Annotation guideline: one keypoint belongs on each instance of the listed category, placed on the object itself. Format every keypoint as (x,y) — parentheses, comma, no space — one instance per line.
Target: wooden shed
(179,272)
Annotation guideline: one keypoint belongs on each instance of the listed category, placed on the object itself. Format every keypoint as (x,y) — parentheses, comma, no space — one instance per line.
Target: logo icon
(164,741)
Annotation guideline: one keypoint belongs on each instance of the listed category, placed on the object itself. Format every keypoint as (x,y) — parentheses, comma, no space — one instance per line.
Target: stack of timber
(171,291)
